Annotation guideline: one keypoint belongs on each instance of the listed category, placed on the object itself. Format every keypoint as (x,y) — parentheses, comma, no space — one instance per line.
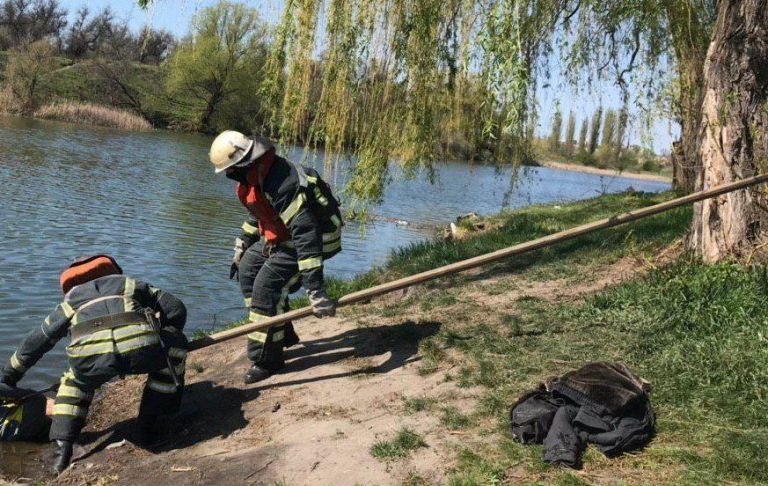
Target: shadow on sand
(211,410)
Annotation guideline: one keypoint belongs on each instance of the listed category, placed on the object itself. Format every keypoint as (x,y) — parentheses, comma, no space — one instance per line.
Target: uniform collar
(258,171)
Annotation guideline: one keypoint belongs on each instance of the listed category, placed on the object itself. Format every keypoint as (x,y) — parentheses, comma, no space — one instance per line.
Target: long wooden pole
(477,261)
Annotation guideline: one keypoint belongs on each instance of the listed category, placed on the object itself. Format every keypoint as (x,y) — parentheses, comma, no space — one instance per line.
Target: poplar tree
(621,129)
(609,128)
(583,134)
(594,133)
(569,134)
(557,128)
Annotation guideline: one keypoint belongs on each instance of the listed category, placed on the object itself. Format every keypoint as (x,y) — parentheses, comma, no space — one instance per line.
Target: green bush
(585,158)
(651,165)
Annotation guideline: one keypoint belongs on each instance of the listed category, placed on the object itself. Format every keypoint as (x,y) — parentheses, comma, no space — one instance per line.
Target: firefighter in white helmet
(294,227)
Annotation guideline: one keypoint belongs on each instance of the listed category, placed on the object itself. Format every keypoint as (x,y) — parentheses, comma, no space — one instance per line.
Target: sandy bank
(605,172)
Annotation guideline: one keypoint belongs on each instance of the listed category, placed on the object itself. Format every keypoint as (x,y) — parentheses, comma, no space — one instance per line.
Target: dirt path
(345,388)
(315,423)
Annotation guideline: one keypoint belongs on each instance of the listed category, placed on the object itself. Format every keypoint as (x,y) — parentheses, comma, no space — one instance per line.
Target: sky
(175,16)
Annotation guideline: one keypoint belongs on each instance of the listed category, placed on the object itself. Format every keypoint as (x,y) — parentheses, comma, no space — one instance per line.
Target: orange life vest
(87,269)
(271,227)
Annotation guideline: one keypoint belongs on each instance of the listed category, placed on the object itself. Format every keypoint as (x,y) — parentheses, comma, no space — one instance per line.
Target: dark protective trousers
(266,280)
(161,396)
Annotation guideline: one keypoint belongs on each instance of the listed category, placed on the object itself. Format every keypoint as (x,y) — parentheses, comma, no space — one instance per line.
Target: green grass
(413,479)
(3,62)
(418,404)
(536,221)
(697,332)
(400,446)
(453,419)
(525,224)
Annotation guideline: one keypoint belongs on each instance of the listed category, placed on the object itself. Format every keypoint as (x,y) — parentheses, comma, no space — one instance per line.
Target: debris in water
(472,215)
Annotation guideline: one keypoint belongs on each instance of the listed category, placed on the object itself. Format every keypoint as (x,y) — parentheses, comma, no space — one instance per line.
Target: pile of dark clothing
(22,415)
(605,404)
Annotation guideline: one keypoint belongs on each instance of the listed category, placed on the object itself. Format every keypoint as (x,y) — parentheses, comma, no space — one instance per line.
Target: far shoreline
(566,166)
(605,172)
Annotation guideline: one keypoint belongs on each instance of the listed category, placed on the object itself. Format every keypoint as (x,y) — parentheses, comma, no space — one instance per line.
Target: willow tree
(216,67)
(734,131)
(25,74)
(395,79)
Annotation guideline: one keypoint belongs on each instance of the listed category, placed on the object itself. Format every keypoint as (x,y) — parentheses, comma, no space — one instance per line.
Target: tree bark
(734,131)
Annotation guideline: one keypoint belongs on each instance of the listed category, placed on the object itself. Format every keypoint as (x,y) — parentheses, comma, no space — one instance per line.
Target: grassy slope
(696,332)
(532,222)
(75,83)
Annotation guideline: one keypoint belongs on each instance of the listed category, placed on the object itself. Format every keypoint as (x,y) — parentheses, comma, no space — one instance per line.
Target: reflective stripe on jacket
(104,296)
(286,206)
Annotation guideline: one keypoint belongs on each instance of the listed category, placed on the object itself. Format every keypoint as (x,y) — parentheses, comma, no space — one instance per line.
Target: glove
(322,305)
(10,379)
(240,248)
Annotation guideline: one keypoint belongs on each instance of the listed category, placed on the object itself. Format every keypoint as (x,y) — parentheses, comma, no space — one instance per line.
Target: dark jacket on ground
(605,404)
(22,415)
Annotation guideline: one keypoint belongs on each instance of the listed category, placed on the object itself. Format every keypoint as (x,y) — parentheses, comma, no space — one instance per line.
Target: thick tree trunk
(734,131)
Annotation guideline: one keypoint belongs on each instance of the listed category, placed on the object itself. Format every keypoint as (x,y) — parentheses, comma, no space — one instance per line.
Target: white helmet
(228,149)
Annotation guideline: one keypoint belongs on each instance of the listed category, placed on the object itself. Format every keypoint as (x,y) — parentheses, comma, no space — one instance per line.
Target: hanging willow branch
(415,81)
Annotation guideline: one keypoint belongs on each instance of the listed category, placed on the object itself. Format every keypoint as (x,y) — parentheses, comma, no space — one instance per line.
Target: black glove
(10,379)
(240,248)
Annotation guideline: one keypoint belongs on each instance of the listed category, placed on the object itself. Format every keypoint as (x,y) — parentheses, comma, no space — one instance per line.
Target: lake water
(152,201)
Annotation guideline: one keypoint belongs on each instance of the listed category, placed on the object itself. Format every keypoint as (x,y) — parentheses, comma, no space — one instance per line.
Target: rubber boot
(62,455)
(261,372)
(290,337)
(146,430)
(266,357)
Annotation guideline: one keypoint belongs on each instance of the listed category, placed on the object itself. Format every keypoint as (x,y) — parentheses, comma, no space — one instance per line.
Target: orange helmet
(85,269)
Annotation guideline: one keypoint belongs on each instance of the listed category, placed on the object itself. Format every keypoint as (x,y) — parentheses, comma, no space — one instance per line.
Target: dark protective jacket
(93,353)
(24,421)
(605,404)
(22,415)
(291,205)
